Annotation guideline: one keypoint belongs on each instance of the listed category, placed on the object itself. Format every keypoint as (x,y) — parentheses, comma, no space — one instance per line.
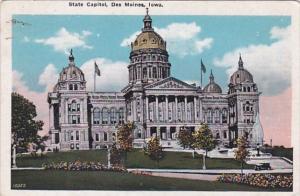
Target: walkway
(210,171)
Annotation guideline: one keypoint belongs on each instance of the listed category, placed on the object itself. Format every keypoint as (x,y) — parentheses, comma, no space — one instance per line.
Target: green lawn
(92,180)
(135,159)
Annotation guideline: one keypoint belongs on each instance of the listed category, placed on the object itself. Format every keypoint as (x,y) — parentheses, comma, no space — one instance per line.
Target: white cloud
(39,99)
(127,41)
(26,39)
(49,77)
(192,82)
(113,74)
(269,64)
(182,39)
(64,40)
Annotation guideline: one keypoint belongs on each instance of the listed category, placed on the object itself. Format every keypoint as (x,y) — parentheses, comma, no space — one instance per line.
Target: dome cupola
(212,87)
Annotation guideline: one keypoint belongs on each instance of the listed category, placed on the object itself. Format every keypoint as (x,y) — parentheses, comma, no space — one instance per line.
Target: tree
(186,139)
(24,127)
(125,138)
(154,150)
(39,143)
(203,139)
(241,153)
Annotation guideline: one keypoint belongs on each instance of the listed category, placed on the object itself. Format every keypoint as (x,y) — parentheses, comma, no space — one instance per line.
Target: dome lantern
(147,22)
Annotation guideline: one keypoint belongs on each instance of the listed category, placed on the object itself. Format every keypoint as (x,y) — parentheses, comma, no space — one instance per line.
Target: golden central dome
(148,39)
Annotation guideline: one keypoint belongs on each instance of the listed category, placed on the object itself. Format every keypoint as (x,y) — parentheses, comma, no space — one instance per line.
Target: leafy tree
(241,153)
(203,139)
(125,138)
(24,127)
(115,156)
(154,150)
(185,138)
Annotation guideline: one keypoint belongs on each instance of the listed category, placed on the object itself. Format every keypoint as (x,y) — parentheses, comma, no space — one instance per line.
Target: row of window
(73,87)
(108,116)
(216,116)
(149,58)
(105,137)
(148,72)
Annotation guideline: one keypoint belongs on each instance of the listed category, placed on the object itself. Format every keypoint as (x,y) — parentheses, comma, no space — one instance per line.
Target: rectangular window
(97,137)
(78,107)
(69,107)
(72,136)
(105,136)
(74,119)
(78,119)
(56,138)
(77,135)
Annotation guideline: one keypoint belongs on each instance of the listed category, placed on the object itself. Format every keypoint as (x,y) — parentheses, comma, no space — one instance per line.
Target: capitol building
(157,103)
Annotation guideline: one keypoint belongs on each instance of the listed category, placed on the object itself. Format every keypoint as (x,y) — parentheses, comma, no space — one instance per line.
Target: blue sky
(103,35)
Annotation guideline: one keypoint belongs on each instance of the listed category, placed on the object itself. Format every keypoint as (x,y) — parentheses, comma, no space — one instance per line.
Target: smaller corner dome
(241,75)
(212,87)
(71,73)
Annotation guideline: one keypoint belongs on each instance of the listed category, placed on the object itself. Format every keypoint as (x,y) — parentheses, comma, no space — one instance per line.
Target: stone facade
(156,102)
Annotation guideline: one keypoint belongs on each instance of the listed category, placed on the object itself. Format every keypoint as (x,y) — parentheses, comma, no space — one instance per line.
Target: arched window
(248,89)
(139,134)
(73,106)
(105,116)
(224,116)
(96,115)
(113,116)
(75,87)
(71,87)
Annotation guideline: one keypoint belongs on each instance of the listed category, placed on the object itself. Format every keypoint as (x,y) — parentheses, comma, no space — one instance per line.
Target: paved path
(210,171)
(186,176)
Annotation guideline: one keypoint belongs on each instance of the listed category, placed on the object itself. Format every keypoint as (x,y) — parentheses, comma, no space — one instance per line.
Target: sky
(40,51)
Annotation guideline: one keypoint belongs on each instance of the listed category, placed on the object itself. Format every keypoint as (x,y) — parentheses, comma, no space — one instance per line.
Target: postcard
(149,97)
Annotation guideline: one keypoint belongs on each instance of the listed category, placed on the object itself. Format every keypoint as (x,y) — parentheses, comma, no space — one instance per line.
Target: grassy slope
(136,159)
(76,180)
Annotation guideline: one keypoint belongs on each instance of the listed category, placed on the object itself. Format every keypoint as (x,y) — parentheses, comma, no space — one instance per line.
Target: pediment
(170,83)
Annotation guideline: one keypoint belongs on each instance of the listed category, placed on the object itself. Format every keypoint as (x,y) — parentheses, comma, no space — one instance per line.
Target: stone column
(167,109)
(156,111)
(168,133)
(176,109)
(201,118)
(147,109)
(185,108)
(82,120)
(195,109)
(66,110)
(51,116)
(134,109)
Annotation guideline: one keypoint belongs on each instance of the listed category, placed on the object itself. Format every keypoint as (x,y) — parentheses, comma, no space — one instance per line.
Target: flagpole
(201,73)
(94,78)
